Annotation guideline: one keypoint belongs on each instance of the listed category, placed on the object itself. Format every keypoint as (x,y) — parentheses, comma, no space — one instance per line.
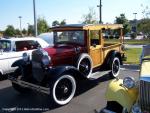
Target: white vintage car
(12,49)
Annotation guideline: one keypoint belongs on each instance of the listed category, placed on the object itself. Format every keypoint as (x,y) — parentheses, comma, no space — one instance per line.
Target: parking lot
(90,97)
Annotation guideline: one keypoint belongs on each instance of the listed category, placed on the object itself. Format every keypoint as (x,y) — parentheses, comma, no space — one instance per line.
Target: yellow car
(130,96)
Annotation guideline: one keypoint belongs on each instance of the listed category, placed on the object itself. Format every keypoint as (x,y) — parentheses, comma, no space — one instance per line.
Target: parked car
(130,96)
(48,37)
(77,52)
(12,50)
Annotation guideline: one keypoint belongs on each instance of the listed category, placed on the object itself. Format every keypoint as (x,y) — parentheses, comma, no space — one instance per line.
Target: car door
(5,49)
(95,48)
(4,62)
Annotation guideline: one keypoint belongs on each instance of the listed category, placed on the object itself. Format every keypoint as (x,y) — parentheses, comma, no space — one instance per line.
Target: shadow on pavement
(13,102)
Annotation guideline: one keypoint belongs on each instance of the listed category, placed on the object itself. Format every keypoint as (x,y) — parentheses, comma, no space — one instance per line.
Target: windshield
(64,37)
(5,45)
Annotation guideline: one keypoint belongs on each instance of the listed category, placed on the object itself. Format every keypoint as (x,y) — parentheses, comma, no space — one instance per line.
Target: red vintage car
(77,52)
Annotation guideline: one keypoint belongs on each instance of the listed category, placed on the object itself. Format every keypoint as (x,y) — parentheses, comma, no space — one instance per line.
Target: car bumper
(29,85)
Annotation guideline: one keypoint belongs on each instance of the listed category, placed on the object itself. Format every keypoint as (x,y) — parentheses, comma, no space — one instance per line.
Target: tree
(55,23)
(10,31)
(144,26)
(30,30)
(63,22)
(24,31)
(42,25)
(18,33)
(90,17)
(123,20)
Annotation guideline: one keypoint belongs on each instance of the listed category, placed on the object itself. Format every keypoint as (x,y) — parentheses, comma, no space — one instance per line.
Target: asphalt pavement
(90,97)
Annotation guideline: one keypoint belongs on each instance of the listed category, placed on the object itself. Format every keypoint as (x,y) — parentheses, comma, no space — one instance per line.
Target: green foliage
(24,31)
(10,31)
(144,26)
(123,20)
(42,25)
(30,30)
(90,17)
(57,23)
(63,22)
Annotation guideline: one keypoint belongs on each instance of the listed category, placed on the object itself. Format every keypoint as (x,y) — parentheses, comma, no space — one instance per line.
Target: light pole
(20,17)
(135,22)
(35,20)
(100,12)
(28,28)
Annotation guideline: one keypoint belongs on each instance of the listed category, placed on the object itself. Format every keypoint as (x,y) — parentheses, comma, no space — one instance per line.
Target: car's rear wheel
(115,66)
(62,89)
(84,65)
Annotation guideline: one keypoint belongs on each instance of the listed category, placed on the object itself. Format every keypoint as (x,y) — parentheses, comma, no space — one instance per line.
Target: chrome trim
(30,85)
(144,98)
(107,111)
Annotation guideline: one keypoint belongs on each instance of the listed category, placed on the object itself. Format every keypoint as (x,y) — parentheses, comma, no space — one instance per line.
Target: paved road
(133,46)
(90,97)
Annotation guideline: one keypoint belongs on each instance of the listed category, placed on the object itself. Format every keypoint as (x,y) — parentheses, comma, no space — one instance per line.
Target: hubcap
(85,67)
(63,89)
(115,67)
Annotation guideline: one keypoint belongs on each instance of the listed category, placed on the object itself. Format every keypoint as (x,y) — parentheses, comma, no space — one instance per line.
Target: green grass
(133,55)
(134,42)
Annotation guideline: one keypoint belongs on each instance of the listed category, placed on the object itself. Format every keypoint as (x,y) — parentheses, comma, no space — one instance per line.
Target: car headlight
(46,60)
(25,57)
(129,82)
(136,109)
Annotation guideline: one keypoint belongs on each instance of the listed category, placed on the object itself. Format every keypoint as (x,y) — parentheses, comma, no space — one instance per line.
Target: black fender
(24,68)
(18,63)
(113,54)
(59,70)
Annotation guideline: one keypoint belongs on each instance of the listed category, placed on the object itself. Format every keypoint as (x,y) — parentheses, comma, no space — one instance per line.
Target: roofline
(87,27)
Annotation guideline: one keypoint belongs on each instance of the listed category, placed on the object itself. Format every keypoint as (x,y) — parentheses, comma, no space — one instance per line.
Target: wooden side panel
(96,55)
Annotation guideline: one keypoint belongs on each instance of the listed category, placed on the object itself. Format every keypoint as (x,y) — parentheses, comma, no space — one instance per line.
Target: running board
(99,74)
(30,85)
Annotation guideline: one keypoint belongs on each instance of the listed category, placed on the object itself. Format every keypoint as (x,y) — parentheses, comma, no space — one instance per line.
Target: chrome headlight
(129,82)
(136,109)
(25,57)
(46,60)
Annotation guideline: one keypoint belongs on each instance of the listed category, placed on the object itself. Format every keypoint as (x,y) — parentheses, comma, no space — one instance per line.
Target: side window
(94,37)
(26,45)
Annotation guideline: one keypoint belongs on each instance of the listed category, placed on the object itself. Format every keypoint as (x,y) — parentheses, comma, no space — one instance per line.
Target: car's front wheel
(63,89)
(115,66)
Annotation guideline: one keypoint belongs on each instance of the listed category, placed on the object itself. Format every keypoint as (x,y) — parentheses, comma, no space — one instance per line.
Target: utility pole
(35,19)
(100,12)
(20,24)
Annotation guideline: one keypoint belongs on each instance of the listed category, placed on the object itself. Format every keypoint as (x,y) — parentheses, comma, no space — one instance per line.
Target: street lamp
(135,22)
(35,20)
(20,24)
(100,12)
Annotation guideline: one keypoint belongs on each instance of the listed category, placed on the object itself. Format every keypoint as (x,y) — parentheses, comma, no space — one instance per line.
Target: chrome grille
(145,95)
(37,69)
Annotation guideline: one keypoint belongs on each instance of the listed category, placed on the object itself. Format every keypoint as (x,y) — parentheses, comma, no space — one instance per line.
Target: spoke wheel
(84,65)
(115,67)
(64,89)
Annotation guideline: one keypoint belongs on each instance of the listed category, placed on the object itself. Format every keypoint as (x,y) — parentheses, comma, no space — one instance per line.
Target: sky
(71,10)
